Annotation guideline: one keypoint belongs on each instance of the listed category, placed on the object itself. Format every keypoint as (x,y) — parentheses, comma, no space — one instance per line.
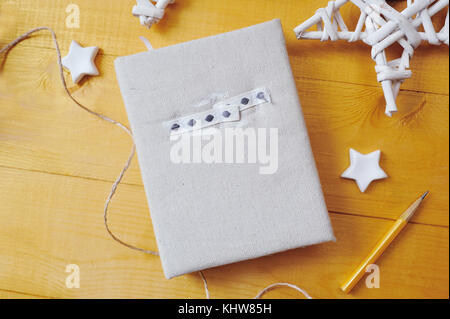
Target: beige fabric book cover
(207,214)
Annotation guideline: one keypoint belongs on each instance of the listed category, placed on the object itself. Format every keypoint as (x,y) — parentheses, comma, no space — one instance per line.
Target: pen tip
(425,195)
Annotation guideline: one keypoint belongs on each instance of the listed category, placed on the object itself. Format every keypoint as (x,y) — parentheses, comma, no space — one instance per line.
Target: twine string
(282,284)
(116,183)
(24,36)
(205,284)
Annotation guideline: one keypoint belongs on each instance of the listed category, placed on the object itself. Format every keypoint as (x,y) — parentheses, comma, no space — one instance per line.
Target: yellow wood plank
(41,129)
(16,295)
(55,220)
(112,27)
(49,221)
(414,148)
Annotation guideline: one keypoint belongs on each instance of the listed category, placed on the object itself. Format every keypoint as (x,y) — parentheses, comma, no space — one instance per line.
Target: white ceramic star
(80,61)
(364,168)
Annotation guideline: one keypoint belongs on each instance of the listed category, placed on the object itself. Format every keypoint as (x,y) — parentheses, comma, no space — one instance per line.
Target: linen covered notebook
(225,156)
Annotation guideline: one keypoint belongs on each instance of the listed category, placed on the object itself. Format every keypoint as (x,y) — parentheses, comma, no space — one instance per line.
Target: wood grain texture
(52,137)
(57,162)
(4,294)
(116,31)
(38,241)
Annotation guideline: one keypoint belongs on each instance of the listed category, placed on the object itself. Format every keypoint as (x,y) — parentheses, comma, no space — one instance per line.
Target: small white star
(80,61)
(364,168)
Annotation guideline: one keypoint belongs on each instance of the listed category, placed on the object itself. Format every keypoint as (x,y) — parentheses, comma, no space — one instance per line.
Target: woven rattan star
(380,26)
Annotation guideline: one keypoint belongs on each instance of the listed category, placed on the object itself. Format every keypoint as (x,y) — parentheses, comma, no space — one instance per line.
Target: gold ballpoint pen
(381,246)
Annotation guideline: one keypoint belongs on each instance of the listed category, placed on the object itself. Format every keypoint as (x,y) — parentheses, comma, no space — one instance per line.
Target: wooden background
(57,162)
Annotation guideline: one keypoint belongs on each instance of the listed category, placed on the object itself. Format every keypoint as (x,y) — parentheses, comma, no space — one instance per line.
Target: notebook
(223,149)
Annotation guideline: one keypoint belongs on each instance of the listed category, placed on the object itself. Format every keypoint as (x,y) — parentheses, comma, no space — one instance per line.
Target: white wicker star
(383,27)
(150,13)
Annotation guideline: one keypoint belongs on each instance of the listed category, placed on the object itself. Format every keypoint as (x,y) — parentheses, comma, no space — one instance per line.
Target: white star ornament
(80,61)
(364,168)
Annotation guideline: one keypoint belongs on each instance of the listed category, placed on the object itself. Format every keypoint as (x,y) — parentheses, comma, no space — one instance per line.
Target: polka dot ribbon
(228,110)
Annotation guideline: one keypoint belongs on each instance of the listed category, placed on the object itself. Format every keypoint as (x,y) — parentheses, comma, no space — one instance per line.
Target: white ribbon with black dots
(228,110)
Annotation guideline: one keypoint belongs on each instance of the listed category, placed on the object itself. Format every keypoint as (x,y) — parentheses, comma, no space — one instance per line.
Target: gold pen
(381,246)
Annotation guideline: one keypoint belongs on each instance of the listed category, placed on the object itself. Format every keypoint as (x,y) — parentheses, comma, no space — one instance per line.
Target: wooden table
(57,162)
